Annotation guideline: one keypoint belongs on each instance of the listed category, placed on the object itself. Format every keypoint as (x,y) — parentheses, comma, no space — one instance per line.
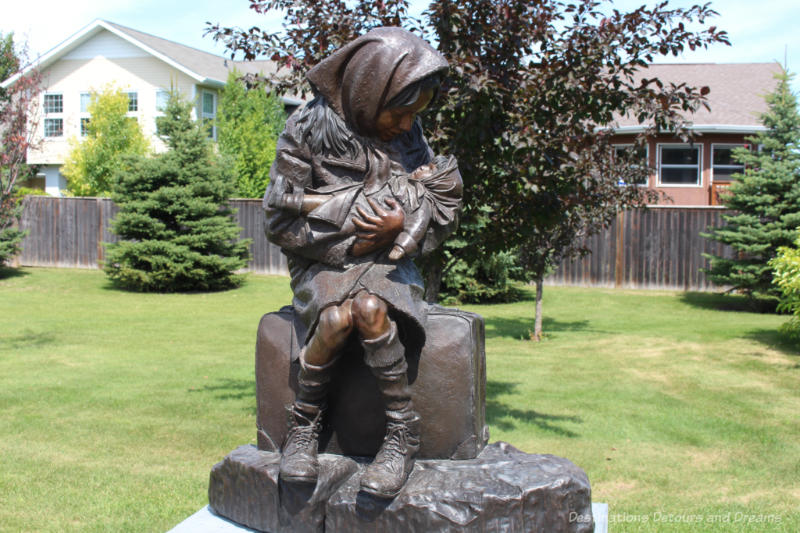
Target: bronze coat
(356,81)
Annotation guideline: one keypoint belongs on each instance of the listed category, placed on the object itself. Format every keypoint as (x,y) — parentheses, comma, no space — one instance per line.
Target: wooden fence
(69,232)
(654,248)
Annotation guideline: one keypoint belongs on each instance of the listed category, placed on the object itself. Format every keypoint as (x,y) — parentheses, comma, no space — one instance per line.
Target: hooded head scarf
(359,79)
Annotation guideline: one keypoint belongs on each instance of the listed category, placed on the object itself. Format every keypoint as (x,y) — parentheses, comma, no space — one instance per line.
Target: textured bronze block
(448,383)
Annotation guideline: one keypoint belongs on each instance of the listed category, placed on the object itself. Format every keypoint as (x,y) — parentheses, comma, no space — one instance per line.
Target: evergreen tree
(250,121)
(765,199)
(174,219)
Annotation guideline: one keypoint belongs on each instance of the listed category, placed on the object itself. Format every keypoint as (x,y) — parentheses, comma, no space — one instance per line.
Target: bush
(10,235)
(111,136)
(482,282)
(249,123)
(786,276)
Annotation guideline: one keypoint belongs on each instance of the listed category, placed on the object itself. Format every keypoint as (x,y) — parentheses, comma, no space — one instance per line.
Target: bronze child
(355,191)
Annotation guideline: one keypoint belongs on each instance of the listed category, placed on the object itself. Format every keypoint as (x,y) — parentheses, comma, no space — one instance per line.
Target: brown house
(693,174)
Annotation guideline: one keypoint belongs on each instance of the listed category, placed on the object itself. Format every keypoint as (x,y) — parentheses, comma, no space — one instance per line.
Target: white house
(143,65)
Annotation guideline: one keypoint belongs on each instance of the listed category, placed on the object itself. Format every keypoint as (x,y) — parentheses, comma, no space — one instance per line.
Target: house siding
(689,195)
(71,77)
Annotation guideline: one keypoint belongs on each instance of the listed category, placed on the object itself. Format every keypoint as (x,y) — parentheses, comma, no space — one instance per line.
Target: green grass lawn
(114,406)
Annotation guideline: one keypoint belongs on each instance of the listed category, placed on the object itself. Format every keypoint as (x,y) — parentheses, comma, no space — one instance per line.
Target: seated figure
(355,191)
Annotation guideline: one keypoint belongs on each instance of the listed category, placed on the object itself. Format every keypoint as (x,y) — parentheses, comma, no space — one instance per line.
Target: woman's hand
(378,231)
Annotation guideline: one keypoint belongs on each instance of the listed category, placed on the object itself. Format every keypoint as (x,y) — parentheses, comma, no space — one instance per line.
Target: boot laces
(395,444)
(302,435)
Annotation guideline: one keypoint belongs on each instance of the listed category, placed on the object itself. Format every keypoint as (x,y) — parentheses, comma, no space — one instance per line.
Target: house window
(53,127)
(679,164)
(53,106)
(37,182)
(86,99)
(724,166)
(638,156)
(53,103)
(208,107)
(133,101)
(162,99)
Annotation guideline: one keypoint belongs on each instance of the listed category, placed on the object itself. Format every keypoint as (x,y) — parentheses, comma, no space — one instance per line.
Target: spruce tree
(176,227)
(765,199)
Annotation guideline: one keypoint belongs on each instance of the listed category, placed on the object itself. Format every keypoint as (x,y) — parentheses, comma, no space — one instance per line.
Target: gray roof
(736,94)
(208,65)
(205,67)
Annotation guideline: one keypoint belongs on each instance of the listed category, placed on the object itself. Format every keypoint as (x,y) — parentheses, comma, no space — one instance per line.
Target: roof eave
(699,128)
(212,82)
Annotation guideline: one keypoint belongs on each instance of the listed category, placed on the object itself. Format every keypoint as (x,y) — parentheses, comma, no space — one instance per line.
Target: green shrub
(786,276)
(250,121)
(111,136)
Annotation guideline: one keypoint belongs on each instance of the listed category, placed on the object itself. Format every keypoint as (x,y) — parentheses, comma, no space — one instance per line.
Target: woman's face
(393,122)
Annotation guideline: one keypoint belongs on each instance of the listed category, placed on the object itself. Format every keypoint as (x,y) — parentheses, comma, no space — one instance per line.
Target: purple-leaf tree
(533,89)
(19,99)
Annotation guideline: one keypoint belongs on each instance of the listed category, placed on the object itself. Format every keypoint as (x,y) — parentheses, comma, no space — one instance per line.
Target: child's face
(393,122)
(424,170)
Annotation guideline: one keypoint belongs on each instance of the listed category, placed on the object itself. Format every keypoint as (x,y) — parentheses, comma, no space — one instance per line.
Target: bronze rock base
(503,489)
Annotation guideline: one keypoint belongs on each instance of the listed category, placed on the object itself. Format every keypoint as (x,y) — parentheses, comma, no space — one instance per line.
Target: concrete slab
(205,521)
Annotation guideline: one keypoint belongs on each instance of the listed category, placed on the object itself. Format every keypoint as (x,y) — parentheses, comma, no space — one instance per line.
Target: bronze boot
(389,471)
(299,451)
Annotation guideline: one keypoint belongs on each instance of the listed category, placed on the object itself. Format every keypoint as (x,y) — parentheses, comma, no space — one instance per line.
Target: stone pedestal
(502,490)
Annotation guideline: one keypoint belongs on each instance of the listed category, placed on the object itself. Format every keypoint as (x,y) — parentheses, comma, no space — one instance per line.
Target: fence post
(100,221)
(619,263)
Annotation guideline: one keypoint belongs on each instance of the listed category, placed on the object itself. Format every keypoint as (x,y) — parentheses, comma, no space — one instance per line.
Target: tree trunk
(433,277)
(537,317)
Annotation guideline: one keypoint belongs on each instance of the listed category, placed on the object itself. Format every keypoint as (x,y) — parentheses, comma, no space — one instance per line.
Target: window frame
(60,96)
(52,117)
(209,116)
(615,146)
(659,165)
(730,146)
(51,121)
(84,113)
(133,101)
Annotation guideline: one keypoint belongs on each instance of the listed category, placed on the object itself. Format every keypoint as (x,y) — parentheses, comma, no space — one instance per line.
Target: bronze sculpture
(355,191)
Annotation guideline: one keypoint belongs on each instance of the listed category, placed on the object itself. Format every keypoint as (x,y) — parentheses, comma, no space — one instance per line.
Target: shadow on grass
(8,273)
(776,340)
(30,339)
(728,302)
(498,412)
(231,389)
(520,328)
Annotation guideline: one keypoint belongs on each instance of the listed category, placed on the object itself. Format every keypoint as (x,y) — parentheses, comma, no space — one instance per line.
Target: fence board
(661,248)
